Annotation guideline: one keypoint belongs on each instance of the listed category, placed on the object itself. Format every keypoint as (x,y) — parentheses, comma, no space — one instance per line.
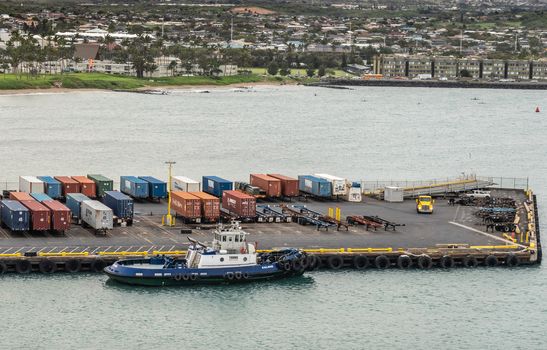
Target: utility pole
(232,31)
(461,41)
(169,220)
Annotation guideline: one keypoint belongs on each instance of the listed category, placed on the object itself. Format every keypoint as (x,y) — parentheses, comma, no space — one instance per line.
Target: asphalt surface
(447,225)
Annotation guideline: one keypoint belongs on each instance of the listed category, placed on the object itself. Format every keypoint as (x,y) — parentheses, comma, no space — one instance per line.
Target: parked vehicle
(60,215)
(478,194)
(424,205)
(15,215)
(289,185)
(157,189)
(133,186)
(52,187)
(186,205)
(338,185)
(74,202)
(39,215)
(183,183)
(210,205)
(314,185)
(87,186)
(121,205)
(68,185)
(97,215)
(215,185)
(239,203)
(30,184)
(102,184)
(270,185)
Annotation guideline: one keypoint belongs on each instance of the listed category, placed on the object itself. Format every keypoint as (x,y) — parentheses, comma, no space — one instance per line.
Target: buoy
(537,109)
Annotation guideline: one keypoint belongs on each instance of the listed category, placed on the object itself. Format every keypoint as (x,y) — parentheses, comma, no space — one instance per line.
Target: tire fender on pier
(470,261)
(404,261)
(335,262)
(73,265)
(360,262)
(446,262)
(382,262)
(97,265)
(23,266)
(297,265)
(3,268)
(511,260)
(425,262)
(313,262)
(491,261)
(47,266)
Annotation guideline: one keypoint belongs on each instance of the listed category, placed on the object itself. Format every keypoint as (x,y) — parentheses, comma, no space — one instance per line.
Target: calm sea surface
(366,133)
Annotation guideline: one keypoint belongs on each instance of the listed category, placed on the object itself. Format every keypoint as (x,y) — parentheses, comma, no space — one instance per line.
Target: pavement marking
(457,211)
(41,249)
(487,234)
(52,249)
(161,249)
(6,251)
(65,248)
(117,249)
(18,250)
(94,250)
(172,248)
(72,251)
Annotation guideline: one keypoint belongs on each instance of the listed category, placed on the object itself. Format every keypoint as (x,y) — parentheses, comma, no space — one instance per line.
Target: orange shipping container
(68,185)
(21,196)
(289,185)
(186,204)
(271,185)
(87,186)
(210,205)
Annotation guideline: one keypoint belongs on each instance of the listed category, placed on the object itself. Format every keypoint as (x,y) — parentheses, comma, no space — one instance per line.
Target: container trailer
(68,185)
(157,189)
(60,215)
(133,186)
(15,215)
(289,185)
(338,185)
(186,205)
(39,215)
(215,185)
(270,185)
(87,186)
(121,205)
(97,215)
(41,197)
(314,185)
(210,205)
(20,196)
(102,184)
(74,202)
(239,203)
(52,187)
(30,184)
(185,184)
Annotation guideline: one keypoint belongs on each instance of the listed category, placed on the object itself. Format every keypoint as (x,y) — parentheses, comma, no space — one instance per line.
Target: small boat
(230,259)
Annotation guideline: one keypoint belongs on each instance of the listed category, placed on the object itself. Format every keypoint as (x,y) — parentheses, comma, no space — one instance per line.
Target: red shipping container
(87,186)
(39,215)
(210,205)
(20,196)
(186,204)
(68,185)
(239,203)
(60,215)
(289,185)
(271,185)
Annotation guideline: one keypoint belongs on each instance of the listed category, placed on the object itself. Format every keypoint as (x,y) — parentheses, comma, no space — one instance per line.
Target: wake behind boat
(230,260)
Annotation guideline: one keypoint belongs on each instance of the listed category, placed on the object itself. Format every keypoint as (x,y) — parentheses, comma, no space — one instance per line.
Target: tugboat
(230,260)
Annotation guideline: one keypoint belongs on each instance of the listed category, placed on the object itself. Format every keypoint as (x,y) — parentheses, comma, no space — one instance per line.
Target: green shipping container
(103,184)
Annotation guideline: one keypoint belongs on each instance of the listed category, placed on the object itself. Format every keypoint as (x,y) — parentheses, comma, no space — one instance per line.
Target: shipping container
(239,203)
(74,203)
(68,185)
(185,184)
(87,186)
(20,196)
(15,215)
(39,215)
(157,189)
(133,186)
(314,185)
(30,184)
(60,215)
(289,185)
(52,187)
(186,204)
(338,185)
(210,205)
(270,185)
(40,197)
(121,204)
(97,215)
(102,184)
(215,185)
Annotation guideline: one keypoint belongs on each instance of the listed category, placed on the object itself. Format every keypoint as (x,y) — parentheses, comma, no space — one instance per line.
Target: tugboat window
(221,259)
(244,259)
(230,239)
(236,239)
(223,238)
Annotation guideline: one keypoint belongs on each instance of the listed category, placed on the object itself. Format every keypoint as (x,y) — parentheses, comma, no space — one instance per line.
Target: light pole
(169,220)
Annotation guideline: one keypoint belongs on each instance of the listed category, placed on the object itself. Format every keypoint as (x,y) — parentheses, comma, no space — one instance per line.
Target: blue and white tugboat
(230,260)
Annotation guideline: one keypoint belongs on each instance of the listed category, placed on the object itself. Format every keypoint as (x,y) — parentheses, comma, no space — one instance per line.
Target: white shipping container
(182,183)
(31,184)
(339,185)
(354,194)
(393,194)
(97,215)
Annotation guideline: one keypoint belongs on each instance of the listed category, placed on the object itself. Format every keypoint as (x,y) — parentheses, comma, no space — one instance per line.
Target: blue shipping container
(74,201)
(134,186)
(14,215)
(53,187)
(121,204)
(314,185)
(215,185)
(156,188)
(40,197)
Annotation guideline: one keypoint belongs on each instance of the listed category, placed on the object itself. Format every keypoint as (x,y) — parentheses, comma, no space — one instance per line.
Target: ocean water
(365,133)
